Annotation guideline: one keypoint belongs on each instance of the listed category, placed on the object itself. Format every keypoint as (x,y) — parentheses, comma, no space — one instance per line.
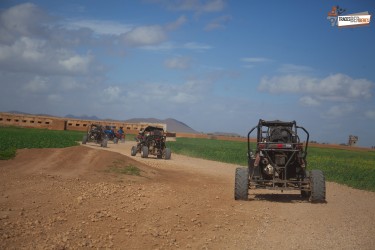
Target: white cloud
(218,23)
(25,49)
(161,47)
(177,63)
(38,84)
(256,59)
(193,5)
(213,6)
(21,20)
(339,111)
(100,27)
(76,63)
(337,87)
(38,56)
(309,101)
(251,61)
(69,83)
(176,24)
(188,93)
(145,35)
(111,94)
(34,44)
(196,46)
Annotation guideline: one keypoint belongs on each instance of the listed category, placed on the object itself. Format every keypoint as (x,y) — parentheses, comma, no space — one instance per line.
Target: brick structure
(58,123)
(32,121)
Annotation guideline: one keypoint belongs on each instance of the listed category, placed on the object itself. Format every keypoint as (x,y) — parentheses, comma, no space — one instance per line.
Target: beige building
(58,123)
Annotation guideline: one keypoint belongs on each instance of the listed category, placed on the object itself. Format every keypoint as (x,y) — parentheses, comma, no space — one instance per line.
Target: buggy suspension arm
(307,139)
(248,141)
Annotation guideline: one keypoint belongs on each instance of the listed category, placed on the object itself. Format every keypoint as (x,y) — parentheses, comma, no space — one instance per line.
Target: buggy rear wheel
(317,186)
(133,151)
(144,152)
(168,153)
(104,143)
(84,139)
(241,184)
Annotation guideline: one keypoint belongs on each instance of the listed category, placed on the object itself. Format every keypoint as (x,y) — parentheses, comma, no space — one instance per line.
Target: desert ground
(71,199)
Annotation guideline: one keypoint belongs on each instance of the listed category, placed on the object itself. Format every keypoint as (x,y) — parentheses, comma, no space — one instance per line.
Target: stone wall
(57,123)
(31,121)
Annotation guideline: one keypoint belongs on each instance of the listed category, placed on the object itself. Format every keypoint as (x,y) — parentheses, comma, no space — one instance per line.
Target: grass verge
(13,138)
(119,167)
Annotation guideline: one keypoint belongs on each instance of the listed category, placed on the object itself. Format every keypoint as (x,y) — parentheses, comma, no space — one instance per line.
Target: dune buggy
(114,136)
(151,140)
(95,133)
(279,163)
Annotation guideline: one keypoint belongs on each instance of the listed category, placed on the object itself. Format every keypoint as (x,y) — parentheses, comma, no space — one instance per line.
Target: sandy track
(67,198)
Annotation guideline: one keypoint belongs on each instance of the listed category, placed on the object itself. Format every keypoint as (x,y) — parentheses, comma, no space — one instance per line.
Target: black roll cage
(262,123)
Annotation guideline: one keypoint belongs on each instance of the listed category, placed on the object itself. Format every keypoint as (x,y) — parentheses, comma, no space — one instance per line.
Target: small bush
(120,167)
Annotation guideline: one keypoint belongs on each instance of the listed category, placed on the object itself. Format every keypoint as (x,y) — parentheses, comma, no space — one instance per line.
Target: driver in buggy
(140,136)
(281,135)
(120,131)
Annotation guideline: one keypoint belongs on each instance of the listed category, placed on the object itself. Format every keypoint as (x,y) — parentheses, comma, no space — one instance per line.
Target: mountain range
(173,125)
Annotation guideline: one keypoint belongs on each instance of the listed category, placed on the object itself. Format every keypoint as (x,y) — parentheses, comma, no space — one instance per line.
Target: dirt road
(72,198)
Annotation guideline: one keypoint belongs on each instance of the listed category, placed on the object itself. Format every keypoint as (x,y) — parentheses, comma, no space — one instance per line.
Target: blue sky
(215,65)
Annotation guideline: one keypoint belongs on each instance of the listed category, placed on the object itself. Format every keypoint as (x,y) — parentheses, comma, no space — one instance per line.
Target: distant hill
(173,125)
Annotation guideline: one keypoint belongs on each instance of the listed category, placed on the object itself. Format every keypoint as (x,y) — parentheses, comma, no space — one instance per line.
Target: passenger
(121,134)
(120,131)
(140,135)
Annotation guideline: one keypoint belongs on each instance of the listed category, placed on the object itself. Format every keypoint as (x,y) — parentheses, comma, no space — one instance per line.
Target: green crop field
(12,138)
(217,150)
(352,168)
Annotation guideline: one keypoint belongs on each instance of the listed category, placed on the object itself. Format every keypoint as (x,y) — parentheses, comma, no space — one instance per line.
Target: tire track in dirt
(286,220)
(67,198)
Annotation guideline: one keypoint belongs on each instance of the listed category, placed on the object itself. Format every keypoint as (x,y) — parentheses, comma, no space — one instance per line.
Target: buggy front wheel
(167,153)
(133,151)
(317,186)
(104,143)
(84,139)
(144,152)
(241,184)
